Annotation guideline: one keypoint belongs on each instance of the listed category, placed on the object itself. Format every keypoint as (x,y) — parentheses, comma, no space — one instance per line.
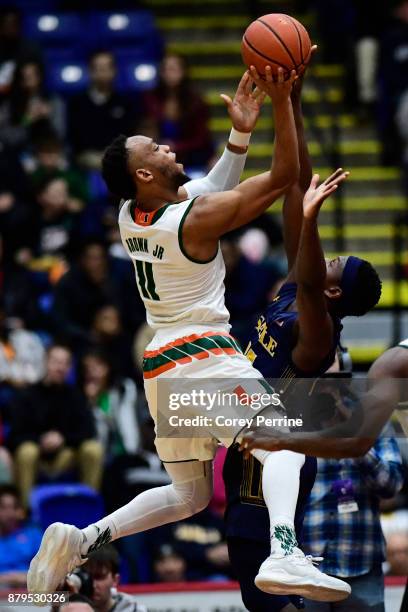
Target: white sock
(280,484)
(153,508)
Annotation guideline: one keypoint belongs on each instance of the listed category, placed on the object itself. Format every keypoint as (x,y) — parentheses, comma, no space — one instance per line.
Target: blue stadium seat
(136,76)
(76,504)
(54,28)
(67,77)
(121,26)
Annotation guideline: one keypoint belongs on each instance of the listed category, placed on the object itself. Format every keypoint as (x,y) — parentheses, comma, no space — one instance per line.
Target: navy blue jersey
(273,340)
(270,350)
(246,515)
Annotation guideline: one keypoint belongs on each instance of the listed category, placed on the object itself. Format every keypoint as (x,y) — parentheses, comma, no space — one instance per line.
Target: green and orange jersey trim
(184,350)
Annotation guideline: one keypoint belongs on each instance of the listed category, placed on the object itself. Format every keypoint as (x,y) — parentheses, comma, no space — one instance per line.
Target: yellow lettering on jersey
(265,339)
(250,354)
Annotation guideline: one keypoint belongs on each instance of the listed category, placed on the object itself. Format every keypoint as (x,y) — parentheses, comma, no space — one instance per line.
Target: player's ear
(143,175)
(333,293)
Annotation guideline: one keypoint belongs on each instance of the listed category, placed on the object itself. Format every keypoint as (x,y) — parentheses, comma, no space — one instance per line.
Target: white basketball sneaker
(296,574)
(58,555)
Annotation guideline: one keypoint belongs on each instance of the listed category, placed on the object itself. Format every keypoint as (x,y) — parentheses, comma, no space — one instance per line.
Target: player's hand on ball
(279,89)
(317,194)
(245,106)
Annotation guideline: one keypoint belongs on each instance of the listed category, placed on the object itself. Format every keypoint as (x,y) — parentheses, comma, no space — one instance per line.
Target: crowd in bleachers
(72,326)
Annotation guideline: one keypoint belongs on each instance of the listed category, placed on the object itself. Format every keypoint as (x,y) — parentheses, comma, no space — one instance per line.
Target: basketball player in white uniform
(172,238)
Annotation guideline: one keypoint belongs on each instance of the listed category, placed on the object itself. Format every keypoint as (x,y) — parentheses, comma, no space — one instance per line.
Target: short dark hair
(105,558)
(99,52)
(60,345)
(366,291)
(115,169)
(79,598)
(10,489)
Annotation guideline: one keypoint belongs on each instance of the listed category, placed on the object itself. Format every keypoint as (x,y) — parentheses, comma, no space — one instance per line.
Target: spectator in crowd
(52,428)
(184,127)
(244,299)
(19,294)
(50,161)
(14,216)
(395,529)
(117,406)
(14,48)
(30,111)
(22,355)
(113,401)
(168,565)
(393,81)
(53,230)
(18,540)
(109,336)
(99,114)
(342,522)
(103,567)
(77,603)
(88,286)
(199,540)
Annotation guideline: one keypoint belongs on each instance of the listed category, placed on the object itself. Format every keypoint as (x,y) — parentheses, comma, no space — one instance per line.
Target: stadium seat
(76,504)
(54,28)
(67,77)
(135,76)
(118,27)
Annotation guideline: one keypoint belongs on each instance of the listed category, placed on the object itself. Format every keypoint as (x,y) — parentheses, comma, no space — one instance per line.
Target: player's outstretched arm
(314,326)
(293,202)
(216,214)
(352,438)
(243,110)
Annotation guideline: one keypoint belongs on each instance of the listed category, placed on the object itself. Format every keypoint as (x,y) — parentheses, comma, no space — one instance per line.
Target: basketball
(278,40)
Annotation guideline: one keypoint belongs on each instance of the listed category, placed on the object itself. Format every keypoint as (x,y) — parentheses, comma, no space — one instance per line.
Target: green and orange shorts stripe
(184,350)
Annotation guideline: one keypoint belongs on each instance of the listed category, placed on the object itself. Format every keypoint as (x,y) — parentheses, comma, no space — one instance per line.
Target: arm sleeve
(223,176)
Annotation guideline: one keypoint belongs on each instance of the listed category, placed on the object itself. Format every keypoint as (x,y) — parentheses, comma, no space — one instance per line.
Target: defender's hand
(298,84)
(317,194)
(244,108)
(278,90)
(261,438)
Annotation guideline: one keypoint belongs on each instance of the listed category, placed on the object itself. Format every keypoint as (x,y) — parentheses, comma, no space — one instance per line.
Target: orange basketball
(278,40)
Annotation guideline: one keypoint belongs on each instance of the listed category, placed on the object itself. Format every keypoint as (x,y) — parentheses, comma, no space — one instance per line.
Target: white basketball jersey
(175,289)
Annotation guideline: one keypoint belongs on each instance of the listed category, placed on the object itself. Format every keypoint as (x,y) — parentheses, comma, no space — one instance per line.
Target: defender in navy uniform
(296,337)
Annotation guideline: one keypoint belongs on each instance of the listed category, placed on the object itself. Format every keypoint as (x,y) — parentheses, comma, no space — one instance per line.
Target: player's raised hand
(245,106)
(277,89)
(317,194)
(298,84)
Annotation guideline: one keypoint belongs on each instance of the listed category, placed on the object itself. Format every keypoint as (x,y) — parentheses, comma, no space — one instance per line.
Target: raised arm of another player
(293,202)
(352,438)
(243,110)
(213,215)
(314,324)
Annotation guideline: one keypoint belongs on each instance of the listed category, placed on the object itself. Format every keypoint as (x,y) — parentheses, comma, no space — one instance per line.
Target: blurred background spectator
(178,116)
(99,114)
(19,540)
(29,111)
(14,48)
(53,430)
